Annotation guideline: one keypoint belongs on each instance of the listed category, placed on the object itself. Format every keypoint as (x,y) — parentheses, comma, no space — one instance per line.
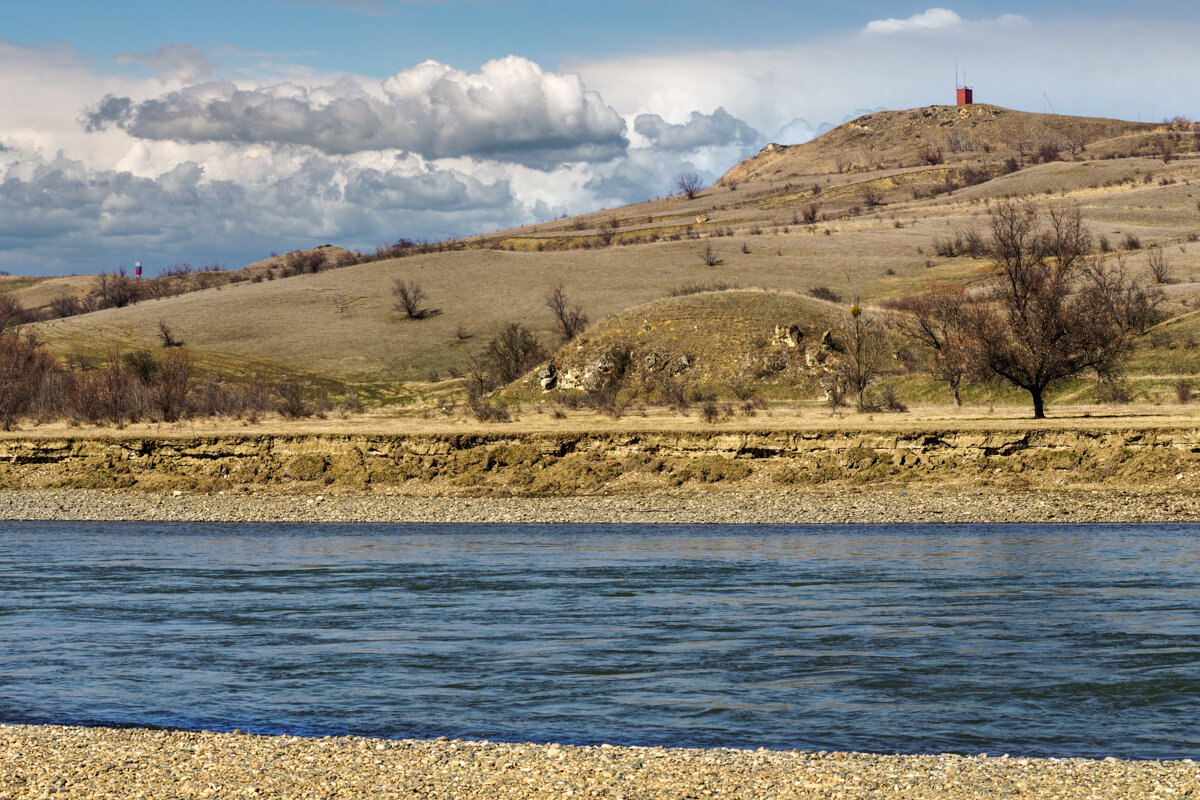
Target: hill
(785,221)
(914,137)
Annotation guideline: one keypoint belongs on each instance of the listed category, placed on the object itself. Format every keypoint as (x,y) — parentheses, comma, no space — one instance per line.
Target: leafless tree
(935,319)
(571,319)
(409,297)
(68,305)
(871,195)
(12,315)
(689,183)
(1159,268)
(23,363)
(865,350)
(115,289)
(1053,313)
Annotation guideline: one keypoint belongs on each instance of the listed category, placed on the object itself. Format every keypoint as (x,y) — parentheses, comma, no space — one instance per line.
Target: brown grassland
(861,211)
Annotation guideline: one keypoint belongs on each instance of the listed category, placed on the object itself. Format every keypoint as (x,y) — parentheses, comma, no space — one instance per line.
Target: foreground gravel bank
(49,761)
(915,505)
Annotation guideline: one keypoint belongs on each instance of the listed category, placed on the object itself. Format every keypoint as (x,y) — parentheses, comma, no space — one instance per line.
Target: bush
(931,155)
(409,297)
(1183,391)
(291,403)
(825,293)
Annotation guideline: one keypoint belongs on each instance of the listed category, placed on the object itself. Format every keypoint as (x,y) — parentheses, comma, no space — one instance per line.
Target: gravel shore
(50,761)
(918,505)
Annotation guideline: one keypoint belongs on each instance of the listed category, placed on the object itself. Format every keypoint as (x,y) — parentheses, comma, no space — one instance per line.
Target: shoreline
(910,505)
(77,762)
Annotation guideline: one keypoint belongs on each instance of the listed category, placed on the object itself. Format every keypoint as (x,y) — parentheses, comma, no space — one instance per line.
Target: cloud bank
(512,110)
(171,156)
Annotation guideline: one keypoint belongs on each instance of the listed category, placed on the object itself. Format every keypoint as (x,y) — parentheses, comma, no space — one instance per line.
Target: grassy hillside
(878,212)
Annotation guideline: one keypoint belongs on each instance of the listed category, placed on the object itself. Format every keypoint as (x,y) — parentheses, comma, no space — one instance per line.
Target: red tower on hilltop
(966,93)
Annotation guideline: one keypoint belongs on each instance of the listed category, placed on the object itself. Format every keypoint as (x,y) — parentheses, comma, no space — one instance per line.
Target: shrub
(291,402)
(710,256)
(931,155)
(825,293)
(409,297)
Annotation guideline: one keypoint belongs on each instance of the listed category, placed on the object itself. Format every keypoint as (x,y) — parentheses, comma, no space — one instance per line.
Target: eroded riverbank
(778,470)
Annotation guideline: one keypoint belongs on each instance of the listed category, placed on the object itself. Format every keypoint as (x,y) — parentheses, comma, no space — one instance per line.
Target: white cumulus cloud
(937,19)
(511,110)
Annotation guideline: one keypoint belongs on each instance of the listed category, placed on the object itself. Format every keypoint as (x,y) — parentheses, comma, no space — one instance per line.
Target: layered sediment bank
(51,761)
(688,476)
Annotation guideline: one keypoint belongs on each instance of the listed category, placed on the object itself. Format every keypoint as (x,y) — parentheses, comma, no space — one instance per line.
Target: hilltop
(870,210)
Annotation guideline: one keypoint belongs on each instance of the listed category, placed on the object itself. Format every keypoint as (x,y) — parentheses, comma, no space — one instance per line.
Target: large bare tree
(1053,312)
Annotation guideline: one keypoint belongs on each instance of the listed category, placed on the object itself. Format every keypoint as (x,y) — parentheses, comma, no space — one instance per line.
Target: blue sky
(223,131)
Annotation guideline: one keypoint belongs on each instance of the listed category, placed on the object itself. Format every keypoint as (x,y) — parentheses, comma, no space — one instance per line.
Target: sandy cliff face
(587,463)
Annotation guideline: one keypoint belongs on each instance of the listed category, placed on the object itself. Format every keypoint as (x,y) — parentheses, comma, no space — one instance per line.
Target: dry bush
(571,319)
(291,402)
(1183,391)
(825,293)
(931,155)
(1159,268)
(23,364)
(409,297)
(710,257)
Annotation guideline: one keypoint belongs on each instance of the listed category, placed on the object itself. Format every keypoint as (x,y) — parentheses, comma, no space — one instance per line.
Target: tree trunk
(957,396)
(1039,404)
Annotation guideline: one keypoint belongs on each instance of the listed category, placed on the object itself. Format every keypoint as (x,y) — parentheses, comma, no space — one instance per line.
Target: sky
(222,132)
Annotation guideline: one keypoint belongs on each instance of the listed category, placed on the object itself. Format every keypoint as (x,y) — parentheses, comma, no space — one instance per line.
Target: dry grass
(339,326)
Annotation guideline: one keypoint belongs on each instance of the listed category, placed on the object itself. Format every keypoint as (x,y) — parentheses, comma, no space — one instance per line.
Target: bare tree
(1052,313)
(12,315)
(409,297)
(689,183)
(512,353)
(871,195)
(571,319)
(115,289)
(864,352)
(935,320)
(1159,268)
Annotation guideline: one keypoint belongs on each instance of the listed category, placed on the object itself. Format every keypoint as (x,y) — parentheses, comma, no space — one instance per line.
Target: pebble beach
(916,505)
(48,761)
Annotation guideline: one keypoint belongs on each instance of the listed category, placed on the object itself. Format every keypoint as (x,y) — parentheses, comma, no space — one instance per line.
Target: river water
(1027,639)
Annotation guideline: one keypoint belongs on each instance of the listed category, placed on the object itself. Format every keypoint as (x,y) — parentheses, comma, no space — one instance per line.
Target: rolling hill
(861,210)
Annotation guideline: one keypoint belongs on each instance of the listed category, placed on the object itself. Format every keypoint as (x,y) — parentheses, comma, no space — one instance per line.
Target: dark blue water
(1037,640)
